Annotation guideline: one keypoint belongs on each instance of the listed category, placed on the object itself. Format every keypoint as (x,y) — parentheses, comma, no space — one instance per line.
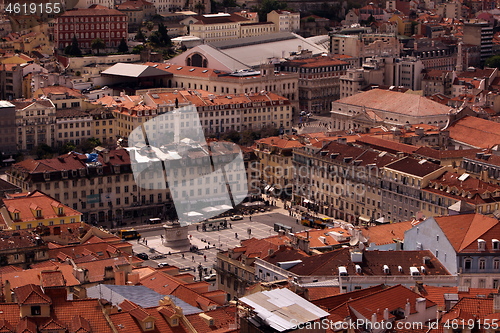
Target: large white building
(390,108)
(35,122)
(284,20)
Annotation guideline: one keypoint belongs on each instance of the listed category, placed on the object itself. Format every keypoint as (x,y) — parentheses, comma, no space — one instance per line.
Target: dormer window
(60,211)
(117,168)
(149,325)
(99,170)
(495,244)
(64,174)
(38,213)
(46,176)
(16,216)
(481,244)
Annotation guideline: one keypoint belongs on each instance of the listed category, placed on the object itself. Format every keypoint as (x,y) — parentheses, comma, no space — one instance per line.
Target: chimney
(374,318)
(420,304)
(133,278)
(105,156)
(356,256)
(119,278)
(7,291)
(496,303)
(407,308)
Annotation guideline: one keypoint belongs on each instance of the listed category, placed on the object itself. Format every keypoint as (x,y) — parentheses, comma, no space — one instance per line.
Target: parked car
(163,264)
(236,217)
(211,277)
(142,256)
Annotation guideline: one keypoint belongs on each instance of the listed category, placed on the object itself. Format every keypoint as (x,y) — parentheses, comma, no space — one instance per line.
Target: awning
(271,189)
(267,187)
(308,201)
(210,209)
(382,220)
(193,214)
(223,207)
(364,219)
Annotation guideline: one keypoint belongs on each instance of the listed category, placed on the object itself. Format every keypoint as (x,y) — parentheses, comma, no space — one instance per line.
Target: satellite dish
(354,241)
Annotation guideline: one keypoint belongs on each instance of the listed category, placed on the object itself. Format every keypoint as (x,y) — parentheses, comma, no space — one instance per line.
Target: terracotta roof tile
(278,142)
(393,298)
(325,237)
(373,261)
(25,206)
(413,166)
(78,324)
(386,145)
(436,294)
(124,322)
(477,132)
(223,317)
(52,279)
(464,230)
(6,327)
(26,325)
(93,10)
(386,233)
(333,301)
(470,308)
(31,294)
(400,103)
(53,324)
(321,293)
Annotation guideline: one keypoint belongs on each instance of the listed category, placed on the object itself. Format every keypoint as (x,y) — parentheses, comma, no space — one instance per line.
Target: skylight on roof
(178,68)
(204,71)
(192,69)
(463,177)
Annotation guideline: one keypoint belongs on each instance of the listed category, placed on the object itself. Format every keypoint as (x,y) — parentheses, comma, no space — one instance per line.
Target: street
(210,242)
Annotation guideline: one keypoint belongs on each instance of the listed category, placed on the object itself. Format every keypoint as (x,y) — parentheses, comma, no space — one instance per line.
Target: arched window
(482,263)
(467,263)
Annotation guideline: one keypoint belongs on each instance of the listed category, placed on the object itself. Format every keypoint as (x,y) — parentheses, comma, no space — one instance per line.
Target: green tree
(138,49)
(67,147)
(98,44)
(88,145)
(200,7)
(73,49)
(123,47)
(149,25)
(140,36)
(267,6)
(493,62)
(160,37)
(44,151)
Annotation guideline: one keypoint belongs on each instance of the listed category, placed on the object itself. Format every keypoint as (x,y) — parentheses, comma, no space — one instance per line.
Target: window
(467,263)
(36,310)
(482,264)
(148,325)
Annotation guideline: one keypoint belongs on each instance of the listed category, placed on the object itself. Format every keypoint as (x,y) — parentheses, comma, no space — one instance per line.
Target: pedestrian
(192,258)
(250,218)
(197,227)
(146,241)
(230,225)
(183,256)
(161,237)
(205,257)
(236,235)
